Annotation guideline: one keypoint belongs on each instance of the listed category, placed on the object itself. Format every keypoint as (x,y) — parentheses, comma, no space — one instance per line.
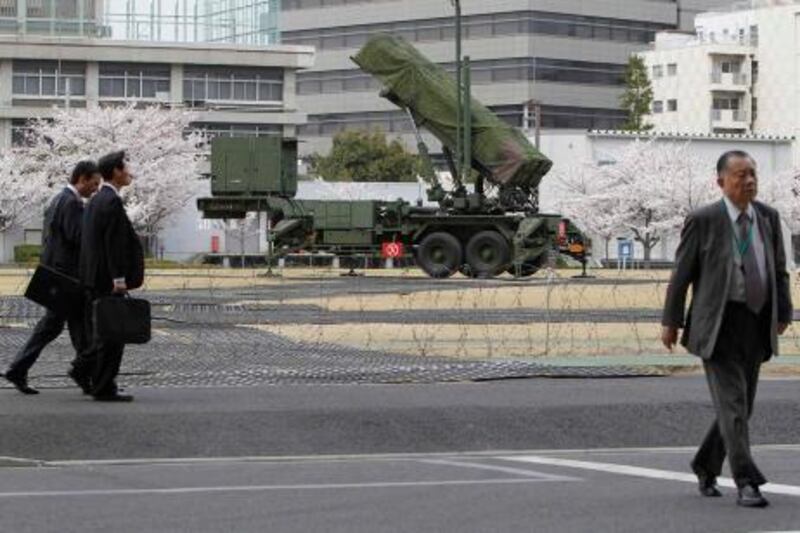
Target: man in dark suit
(731,254)
(111,263)
(61,239)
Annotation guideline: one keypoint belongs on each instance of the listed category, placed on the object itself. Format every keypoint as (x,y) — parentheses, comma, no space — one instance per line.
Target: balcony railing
(728,115)
(729,78)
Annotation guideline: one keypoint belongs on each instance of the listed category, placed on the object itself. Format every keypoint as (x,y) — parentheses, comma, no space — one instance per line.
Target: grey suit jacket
(704,262)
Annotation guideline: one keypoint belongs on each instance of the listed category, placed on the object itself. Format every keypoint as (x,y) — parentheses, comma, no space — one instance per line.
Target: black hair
(109,162)
(722,162)
(84,168)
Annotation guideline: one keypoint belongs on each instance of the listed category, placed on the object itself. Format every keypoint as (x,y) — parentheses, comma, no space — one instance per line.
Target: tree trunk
(648,248)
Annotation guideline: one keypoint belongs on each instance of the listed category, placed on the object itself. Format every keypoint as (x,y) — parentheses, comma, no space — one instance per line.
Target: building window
(754,35)
(48,78)
(287,5)
(221,129)
(483,26)
(20,132)
(731,67)
(726,102)
(121,80)
(754,105)
(672,105)
(236,84)
(672,69)
(483,73)
(658,106)
(561,117)
(658,71)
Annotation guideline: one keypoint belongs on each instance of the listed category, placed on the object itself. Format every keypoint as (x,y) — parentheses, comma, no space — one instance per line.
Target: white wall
(569,148)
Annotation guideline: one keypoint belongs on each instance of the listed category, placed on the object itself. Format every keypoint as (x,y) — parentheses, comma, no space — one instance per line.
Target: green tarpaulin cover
(430,93)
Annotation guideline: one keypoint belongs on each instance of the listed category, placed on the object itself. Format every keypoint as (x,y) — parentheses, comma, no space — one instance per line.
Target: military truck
(480,231)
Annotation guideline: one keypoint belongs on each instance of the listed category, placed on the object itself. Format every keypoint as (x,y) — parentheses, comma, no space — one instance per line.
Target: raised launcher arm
(501,154)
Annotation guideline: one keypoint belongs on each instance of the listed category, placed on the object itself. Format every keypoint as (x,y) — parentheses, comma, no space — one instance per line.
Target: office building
(248,22)
(52,17)
(233,89)
(567,54)
(736,73)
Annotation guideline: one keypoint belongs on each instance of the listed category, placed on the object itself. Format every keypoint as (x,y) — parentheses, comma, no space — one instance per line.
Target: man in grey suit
(731,254)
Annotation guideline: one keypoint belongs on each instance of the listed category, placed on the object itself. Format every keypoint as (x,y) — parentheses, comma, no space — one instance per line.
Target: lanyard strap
(743,245)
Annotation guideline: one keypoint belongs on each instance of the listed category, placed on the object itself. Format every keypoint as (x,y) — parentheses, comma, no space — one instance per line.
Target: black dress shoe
(113,398)
(81,380)
(750,496)
(708,487)
(20,383)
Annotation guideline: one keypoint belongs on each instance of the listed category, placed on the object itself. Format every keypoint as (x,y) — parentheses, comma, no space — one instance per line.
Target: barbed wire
(550,314)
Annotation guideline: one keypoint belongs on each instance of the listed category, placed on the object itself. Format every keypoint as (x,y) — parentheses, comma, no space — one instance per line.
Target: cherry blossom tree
(163,151)
(646,192)
(782,191)
(654,186)
(583,198)
(22,192)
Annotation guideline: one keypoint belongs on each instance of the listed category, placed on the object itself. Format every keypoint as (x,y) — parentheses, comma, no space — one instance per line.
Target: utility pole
(533,107)
(463,155)
(459,119)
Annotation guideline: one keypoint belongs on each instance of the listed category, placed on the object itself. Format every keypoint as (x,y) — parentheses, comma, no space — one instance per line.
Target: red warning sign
(392,250)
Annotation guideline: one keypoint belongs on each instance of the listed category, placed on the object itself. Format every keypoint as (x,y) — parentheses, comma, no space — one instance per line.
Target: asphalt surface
(355,419)
(459,493)
(459,457)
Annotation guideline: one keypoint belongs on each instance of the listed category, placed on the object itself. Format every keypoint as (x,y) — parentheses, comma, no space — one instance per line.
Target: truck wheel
(440,255)
(488,254)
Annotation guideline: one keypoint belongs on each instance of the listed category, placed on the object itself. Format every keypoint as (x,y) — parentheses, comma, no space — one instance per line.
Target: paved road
(620,491)
(355,419)
(224,459)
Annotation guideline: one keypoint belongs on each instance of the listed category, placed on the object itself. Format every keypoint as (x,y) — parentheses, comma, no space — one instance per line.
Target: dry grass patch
(486,341)
(555,296)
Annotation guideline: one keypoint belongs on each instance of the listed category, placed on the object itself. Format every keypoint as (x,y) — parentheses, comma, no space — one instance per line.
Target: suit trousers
(46,331)
(732,373)
(102,360)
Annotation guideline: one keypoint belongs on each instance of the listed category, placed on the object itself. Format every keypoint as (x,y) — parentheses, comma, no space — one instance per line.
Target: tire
(440,255)
(488,254)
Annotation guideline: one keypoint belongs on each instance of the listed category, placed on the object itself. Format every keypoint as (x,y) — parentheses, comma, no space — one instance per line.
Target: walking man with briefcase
(111,264)
(61,239)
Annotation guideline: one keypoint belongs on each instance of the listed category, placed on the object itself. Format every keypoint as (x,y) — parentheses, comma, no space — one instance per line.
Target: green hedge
(27,253)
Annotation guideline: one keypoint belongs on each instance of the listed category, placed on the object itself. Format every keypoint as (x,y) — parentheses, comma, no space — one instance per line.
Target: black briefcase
(55,290)
(121,320)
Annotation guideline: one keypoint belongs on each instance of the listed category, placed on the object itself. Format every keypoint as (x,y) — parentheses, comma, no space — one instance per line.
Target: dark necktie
(754,287)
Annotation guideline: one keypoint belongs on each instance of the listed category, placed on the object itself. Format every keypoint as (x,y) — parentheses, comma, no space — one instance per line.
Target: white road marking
(265,488)
(637,471)
(382,457)
(20,460)
(504,469)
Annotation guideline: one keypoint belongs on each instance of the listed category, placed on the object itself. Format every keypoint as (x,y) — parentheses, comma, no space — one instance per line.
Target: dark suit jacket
(704,261)
(110,248)
(61,235)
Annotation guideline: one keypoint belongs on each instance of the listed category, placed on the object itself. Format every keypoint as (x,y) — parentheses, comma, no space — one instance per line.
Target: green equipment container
(254,166)
(501,152)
